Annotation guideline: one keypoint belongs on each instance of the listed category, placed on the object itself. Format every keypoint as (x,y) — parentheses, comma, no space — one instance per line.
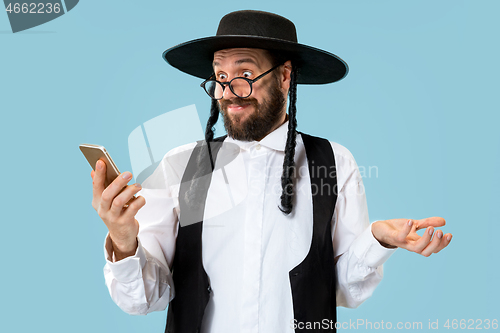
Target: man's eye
(221,76)
(247,74)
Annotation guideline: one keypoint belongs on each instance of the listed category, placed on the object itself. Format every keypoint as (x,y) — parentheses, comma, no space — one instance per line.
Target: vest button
(209,289)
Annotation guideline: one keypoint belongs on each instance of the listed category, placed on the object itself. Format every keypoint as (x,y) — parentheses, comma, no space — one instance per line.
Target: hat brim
(315,66)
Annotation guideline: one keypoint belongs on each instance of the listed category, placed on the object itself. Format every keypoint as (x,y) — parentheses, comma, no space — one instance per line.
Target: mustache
(237,101)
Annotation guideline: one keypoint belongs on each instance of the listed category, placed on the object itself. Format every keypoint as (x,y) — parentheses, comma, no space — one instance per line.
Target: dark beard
(260,122)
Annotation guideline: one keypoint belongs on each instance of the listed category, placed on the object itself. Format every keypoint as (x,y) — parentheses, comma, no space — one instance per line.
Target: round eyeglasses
(240,86)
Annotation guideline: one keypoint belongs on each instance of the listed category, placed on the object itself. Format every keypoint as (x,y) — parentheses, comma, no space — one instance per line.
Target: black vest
(312,282)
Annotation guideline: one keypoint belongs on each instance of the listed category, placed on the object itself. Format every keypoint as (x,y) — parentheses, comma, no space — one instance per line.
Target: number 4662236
(33,8)
(471,324)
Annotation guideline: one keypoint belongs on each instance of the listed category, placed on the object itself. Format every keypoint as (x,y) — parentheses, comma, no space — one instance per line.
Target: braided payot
(289,163)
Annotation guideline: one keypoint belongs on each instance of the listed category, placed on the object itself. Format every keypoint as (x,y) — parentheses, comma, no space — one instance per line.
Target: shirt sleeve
(139,284)
(360,256)
(143,283)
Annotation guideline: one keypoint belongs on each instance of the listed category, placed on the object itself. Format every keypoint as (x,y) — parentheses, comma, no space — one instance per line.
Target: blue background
(420,104)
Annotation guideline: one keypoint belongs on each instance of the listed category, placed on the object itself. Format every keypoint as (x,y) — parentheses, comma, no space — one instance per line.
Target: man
(258,255)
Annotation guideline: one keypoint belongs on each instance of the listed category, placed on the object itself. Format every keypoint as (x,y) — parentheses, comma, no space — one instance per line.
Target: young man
(238,229)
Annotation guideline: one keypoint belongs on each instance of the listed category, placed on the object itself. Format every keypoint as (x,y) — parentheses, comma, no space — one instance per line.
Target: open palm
(403,233)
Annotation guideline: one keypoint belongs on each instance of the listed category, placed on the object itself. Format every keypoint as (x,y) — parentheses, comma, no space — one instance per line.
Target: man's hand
(402,233)
(117,207)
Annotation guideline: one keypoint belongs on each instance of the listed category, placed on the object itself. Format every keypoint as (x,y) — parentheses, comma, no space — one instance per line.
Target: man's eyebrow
(241,61)
(238,62)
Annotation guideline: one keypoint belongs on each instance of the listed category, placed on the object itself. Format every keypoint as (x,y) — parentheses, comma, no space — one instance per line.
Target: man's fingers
(123,198)
(134,206)
(98,183)
(405,231)
(114,189)
(434,221)
(444,243)
(422,243)
(434,244)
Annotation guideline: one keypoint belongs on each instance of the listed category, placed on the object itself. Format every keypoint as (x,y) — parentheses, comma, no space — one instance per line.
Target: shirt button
(257,147)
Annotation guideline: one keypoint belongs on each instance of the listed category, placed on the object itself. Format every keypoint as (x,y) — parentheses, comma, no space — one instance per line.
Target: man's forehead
(240,55)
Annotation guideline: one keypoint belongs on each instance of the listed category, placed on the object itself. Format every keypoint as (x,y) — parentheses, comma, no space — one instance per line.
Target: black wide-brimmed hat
(257,29)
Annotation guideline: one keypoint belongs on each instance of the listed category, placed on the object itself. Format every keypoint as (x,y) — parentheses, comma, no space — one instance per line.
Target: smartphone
(93,153)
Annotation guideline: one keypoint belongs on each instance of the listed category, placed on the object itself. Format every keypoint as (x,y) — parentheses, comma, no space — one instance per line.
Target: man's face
(254,117)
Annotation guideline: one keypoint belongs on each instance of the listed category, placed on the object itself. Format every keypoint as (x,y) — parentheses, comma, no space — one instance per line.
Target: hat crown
(257,23)
(260,30)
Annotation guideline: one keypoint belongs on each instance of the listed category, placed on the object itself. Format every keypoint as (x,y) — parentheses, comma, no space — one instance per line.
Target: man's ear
(286,75)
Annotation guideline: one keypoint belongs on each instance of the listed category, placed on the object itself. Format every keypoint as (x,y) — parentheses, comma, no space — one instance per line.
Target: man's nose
(228,93)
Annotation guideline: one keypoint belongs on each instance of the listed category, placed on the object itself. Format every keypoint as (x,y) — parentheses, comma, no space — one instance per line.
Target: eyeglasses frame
(224,84)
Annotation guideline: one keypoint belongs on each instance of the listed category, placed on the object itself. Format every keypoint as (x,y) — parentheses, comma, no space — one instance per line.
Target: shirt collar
(275,140)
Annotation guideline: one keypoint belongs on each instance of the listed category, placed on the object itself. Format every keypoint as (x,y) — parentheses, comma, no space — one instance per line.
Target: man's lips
(237,107)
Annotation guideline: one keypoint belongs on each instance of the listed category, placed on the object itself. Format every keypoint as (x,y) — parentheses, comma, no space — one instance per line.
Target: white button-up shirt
(248,245)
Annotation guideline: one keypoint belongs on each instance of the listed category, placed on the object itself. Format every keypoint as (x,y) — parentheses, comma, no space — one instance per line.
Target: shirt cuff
(128,269)
(368,248)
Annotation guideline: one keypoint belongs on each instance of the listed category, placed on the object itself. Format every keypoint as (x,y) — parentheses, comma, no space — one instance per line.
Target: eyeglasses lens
(241,88)
(214,89)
